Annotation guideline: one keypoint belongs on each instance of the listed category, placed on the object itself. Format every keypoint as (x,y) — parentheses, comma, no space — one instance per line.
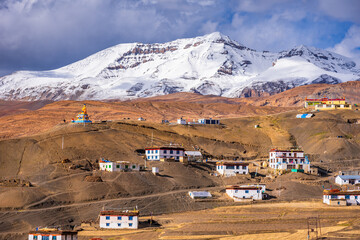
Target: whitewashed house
(52,234)
(209,121)
(119,219)
(335,197)
(106,165)
(288,159)
(240,193)
(347,179)
(193,155)
(232,168)
(157,153)
(181,121)
(199,194)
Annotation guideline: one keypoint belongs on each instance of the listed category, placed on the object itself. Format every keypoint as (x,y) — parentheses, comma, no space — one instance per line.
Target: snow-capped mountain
(211,64)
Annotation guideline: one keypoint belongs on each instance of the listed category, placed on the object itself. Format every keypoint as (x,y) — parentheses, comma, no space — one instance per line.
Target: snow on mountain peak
(209,64)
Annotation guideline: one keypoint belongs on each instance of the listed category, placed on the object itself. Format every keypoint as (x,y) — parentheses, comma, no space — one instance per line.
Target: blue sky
(47,34)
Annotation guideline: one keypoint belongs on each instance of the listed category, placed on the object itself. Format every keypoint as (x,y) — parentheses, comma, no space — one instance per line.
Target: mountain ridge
(211,64)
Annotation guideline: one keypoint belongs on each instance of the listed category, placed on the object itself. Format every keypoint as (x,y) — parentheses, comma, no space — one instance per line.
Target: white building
(336,197)
(199,194)
(181,121)
(288,159)
(347,179)
(119,219)
(208,121)
(239,193)
(157,153)
(106,165)
(232,168)
(52,234)
(193,155)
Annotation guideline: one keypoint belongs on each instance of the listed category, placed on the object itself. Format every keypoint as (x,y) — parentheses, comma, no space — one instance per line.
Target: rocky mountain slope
(210,64)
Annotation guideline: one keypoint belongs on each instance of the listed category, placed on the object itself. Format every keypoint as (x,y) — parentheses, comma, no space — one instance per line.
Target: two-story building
(166,152)
(288,159)
(52,234)
(228,169)
(337,197)
(240,193)
(118,219)
(347,179)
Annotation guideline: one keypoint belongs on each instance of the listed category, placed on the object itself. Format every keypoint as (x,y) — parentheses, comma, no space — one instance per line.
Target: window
(35,237)
(230,167)
(171,151)
(107,217)
(246,191)
(117,166)
(133,166)
(156,157)
(156,151)
(356,197)
(130,224)
(108,224)
(119,218)
(152,157)
(258,191)
(165,151)
(177,152)
(54,238)
(236,191)
(109,166)
(130,218)
(148,151)
(347,196)
(177,158)
(119,224)
(152,151)
(148,157)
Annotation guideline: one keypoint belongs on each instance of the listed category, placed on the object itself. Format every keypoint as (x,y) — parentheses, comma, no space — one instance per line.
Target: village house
(336,197)
(181,121)
(347,179)
(166,152)
(232,168)
(208,121)
(193,156)
(52,234)
(240,193)
(327,103)
(199,194)
(106,165)
(288,160)
(119,219)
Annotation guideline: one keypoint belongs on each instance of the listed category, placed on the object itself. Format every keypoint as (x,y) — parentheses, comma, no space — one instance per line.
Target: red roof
(275,150)
(325,99)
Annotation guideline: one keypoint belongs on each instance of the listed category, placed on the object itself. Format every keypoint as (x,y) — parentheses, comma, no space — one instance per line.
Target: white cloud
(350,45)
(348,10)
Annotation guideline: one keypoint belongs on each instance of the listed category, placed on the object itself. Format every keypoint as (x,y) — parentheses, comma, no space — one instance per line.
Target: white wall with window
(232,168)
(155,154)
(52,235)
(351,197)
(239,193)
(119,219)
(287,160)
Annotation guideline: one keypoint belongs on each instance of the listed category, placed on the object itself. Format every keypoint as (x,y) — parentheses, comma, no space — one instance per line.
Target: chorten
(82,117)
